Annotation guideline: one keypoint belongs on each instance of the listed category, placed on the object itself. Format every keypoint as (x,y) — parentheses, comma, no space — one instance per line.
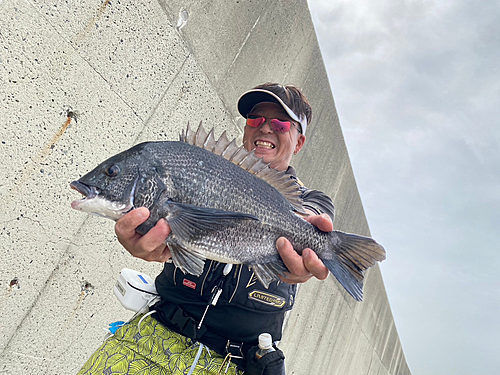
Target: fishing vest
(244,310)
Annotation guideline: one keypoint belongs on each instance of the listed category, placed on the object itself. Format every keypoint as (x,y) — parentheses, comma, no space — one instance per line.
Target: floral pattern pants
(154,350)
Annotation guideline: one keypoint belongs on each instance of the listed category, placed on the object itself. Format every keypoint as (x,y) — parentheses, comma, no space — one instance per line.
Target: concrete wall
(82,80)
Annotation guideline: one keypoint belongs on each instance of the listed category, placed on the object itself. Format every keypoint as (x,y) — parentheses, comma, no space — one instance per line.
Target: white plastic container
(134,289)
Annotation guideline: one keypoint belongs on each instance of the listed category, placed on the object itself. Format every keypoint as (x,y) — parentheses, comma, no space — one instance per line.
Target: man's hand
(303,267)
(149,247)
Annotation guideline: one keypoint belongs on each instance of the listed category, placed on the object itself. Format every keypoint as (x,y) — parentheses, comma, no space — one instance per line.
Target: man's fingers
(125,227)
(314,264)
(301,267)
(323,222)
(151,246)
(155,237)
(160,254)
(293,261)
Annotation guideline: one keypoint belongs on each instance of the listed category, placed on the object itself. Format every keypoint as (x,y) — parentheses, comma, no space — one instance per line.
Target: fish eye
(112,170)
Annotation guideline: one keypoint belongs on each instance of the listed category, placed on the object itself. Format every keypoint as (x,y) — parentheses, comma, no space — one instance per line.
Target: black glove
(271,364)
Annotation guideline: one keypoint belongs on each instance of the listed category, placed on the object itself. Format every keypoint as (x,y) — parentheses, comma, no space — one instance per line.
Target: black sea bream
(222,203)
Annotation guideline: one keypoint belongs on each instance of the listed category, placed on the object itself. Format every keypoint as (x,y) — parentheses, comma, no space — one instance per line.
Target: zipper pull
(203,317)
(216,292)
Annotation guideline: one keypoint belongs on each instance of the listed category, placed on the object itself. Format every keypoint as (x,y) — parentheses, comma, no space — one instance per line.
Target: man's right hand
(151,246)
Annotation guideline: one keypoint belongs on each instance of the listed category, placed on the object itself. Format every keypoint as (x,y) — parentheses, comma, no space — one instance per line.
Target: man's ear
(300,143)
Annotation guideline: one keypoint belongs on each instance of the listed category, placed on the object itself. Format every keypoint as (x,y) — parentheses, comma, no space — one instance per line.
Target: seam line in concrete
(153,111)
(242,45)
(73,45)
(41,291)
(295,59)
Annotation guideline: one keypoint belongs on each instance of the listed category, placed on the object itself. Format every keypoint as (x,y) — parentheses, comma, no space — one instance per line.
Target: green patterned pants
(155,350)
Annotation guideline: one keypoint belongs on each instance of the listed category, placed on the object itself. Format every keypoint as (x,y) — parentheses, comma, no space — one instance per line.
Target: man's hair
(292,97)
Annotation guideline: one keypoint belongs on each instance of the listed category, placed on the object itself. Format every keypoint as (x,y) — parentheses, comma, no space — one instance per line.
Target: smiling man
(185,320)
(268,129)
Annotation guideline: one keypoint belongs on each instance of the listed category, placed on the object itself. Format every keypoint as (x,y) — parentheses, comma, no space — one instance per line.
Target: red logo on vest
(189,283)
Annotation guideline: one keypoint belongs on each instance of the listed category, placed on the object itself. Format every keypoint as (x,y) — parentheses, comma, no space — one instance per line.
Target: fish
(222,203)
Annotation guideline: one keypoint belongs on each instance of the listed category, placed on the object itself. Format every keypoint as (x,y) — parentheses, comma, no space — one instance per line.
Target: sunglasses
(279,126)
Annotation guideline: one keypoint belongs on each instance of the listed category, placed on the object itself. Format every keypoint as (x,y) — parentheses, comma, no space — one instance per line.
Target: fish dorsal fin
(246,160)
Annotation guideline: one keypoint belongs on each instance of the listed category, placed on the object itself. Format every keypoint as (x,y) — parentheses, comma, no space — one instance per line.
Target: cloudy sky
(417,89)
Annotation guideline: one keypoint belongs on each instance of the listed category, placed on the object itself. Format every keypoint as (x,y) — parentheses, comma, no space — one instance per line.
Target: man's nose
(266,126)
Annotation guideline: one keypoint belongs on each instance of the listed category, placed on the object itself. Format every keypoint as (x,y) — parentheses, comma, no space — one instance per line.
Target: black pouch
(271,364)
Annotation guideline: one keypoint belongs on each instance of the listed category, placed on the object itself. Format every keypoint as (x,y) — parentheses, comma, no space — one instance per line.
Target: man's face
(276,148)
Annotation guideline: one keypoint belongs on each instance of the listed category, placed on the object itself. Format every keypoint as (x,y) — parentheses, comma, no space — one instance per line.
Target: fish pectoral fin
(187,260)
(269,272)
(188,221)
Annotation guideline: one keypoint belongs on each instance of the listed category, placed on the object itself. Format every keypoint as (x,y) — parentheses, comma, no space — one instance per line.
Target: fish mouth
(96,204)
(88,192)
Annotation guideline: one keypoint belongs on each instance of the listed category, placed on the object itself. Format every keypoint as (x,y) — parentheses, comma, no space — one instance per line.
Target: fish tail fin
(349,256)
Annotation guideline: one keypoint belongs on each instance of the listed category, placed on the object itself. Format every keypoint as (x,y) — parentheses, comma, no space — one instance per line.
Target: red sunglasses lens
(276,125)
(255,122)
(280,126)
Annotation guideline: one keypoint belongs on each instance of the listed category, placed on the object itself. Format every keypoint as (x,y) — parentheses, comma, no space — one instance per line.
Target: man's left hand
(303,267)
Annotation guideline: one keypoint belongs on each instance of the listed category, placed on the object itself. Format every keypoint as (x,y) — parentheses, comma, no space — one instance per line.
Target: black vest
(244,310)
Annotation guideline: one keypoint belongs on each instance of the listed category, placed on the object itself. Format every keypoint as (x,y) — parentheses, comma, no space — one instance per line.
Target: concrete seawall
(83,80)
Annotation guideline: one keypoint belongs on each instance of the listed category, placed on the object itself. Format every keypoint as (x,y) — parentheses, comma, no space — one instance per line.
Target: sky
(417,90)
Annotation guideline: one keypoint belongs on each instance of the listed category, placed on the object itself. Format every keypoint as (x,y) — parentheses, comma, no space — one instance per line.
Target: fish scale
(222,203)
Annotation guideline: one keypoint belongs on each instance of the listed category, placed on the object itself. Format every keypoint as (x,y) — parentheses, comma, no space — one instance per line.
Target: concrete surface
(82,80)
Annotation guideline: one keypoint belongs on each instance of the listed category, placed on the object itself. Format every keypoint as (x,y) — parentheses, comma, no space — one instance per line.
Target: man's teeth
(264,144)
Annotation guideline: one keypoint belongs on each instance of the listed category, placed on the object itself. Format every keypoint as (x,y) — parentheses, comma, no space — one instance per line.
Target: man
(184,322)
